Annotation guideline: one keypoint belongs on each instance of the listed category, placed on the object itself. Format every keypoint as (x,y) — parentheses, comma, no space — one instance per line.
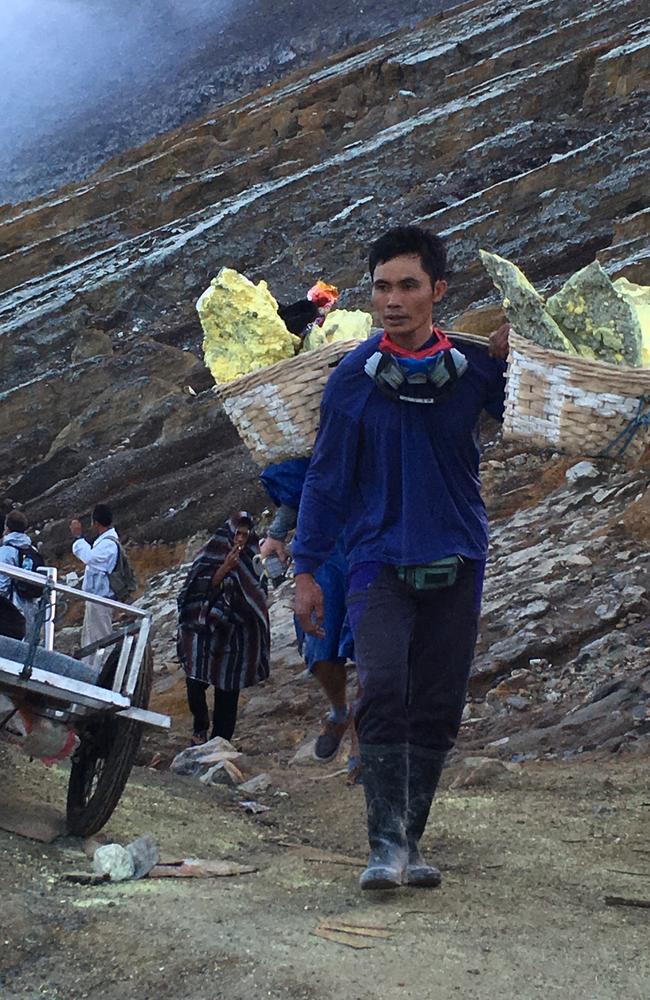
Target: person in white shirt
(100,559)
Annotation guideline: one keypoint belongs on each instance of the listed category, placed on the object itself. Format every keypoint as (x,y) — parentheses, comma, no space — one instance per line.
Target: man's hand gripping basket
(561,401)
(276,409)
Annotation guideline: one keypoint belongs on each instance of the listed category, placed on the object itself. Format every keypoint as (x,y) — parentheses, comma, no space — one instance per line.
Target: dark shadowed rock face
(521,129)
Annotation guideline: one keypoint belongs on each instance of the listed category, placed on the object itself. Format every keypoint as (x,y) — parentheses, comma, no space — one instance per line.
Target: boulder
(92,344)
(483,772)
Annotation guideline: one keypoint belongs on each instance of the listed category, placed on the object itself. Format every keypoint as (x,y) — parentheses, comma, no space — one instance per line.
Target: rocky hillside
(519,128)
(97,77)
(563,661)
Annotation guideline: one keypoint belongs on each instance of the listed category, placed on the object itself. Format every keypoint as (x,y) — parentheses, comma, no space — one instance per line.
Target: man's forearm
(82,550)
(283,522)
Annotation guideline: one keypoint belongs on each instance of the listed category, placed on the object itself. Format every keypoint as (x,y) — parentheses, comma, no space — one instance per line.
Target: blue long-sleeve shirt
(283,482)
(401,480)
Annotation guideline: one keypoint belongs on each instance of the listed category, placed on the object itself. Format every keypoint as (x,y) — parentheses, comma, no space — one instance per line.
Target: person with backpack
(105,573)
(17,550)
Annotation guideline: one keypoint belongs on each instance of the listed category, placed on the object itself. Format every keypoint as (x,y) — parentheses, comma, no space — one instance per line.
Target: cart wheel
(103,760)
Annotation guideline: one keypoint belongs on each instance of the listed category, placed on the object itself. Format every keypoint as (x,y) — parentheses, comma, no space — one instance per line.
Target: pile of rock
(521,129)
(563,660)
(160,599)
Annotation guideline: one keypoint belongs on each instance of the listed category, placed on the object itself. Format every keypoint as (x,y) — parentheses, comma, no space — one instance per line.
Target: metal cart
(101,694)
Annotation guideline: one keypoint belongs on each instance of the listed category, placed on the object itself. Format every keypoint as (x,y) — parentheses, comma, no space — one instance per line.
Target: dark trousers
(12,621)
(414,652)
(224,716)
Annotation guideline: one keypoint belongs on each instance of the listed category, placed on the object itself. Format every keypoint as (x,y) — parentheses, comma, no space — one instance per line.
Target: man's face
(241,536)
(403,297)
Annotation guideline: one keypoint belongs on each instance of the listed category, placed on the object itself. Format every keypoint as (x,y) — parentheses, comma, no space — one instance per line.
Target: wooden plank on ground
(624,901)
(35,820)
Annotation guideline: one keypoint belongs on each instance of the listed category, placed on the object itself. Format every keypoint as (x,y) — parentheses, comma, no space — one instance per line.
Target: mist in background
(63,57)
(81,81)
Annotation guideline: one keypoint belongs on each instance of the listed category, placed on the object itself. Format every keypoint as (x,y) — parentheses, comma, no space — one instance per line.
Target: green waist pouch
(433,576)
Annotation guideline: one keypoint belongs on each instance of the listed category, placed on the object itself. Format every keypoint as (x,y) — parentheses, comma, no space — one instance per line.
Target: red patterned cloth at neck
(440,343)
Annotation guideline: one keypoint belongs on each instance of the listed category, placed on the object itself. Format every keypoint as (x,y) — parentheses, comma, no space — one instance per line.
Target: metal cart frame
(107,714)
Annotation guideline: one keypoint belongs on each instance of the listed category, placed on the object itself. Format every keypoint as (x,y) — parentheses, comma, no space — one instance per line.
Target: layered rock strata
(163,64)
(521,129)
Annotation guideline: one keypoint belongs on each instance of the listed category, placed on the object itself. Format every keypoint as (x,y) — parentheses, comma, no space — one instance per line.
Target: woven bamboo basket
(276,409)
(560,401)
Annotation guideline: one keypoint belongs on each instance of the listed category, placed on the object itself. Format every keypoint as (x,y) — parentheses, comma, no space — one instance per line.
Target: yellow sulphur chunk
(340,324)
(638,297)
(241,327)
(347,324)
(315,338)
(523,304)
(601,319)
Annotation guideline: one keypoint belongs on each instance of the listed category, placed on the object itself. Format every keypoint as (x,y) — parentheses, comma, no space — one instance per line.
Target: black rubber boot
(425,768)
(385,778)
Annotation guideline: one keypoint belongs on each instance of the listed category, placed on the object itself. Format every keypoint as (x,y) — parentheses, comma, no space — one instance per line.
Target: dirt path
(521,914)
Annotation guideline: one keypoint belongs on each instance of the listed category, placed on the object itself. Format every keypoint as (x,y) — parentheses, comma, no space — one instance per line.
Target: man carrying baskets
(395,469)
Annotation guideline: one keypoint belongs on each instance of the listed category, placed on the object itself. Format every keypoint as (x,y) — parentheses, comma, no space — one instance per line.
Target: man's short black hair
(410,241)
(103,515)
(15,521)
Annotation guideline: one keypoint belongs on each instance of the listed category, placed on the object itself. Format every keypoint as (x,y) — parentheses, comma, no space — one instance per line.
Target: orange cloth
(322,294)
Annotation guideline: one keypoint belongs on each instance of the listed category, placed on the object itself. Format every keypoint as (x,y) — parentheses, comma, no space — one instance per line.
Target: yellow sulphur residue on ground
(241,327)
(341,324)
(638,297)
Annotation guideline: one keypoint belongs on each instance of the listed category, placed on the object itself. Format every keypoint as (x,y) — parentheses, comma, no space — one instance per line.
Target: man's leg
(440,662)
(327,665)
(354,758)
(224,719)
(332,676)
(98,623)
(198,706)
(382,616)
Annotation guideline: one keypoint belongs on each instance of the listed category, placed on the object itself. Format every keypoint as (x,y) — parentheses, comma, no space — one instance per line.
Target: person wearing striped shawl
(223,626)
